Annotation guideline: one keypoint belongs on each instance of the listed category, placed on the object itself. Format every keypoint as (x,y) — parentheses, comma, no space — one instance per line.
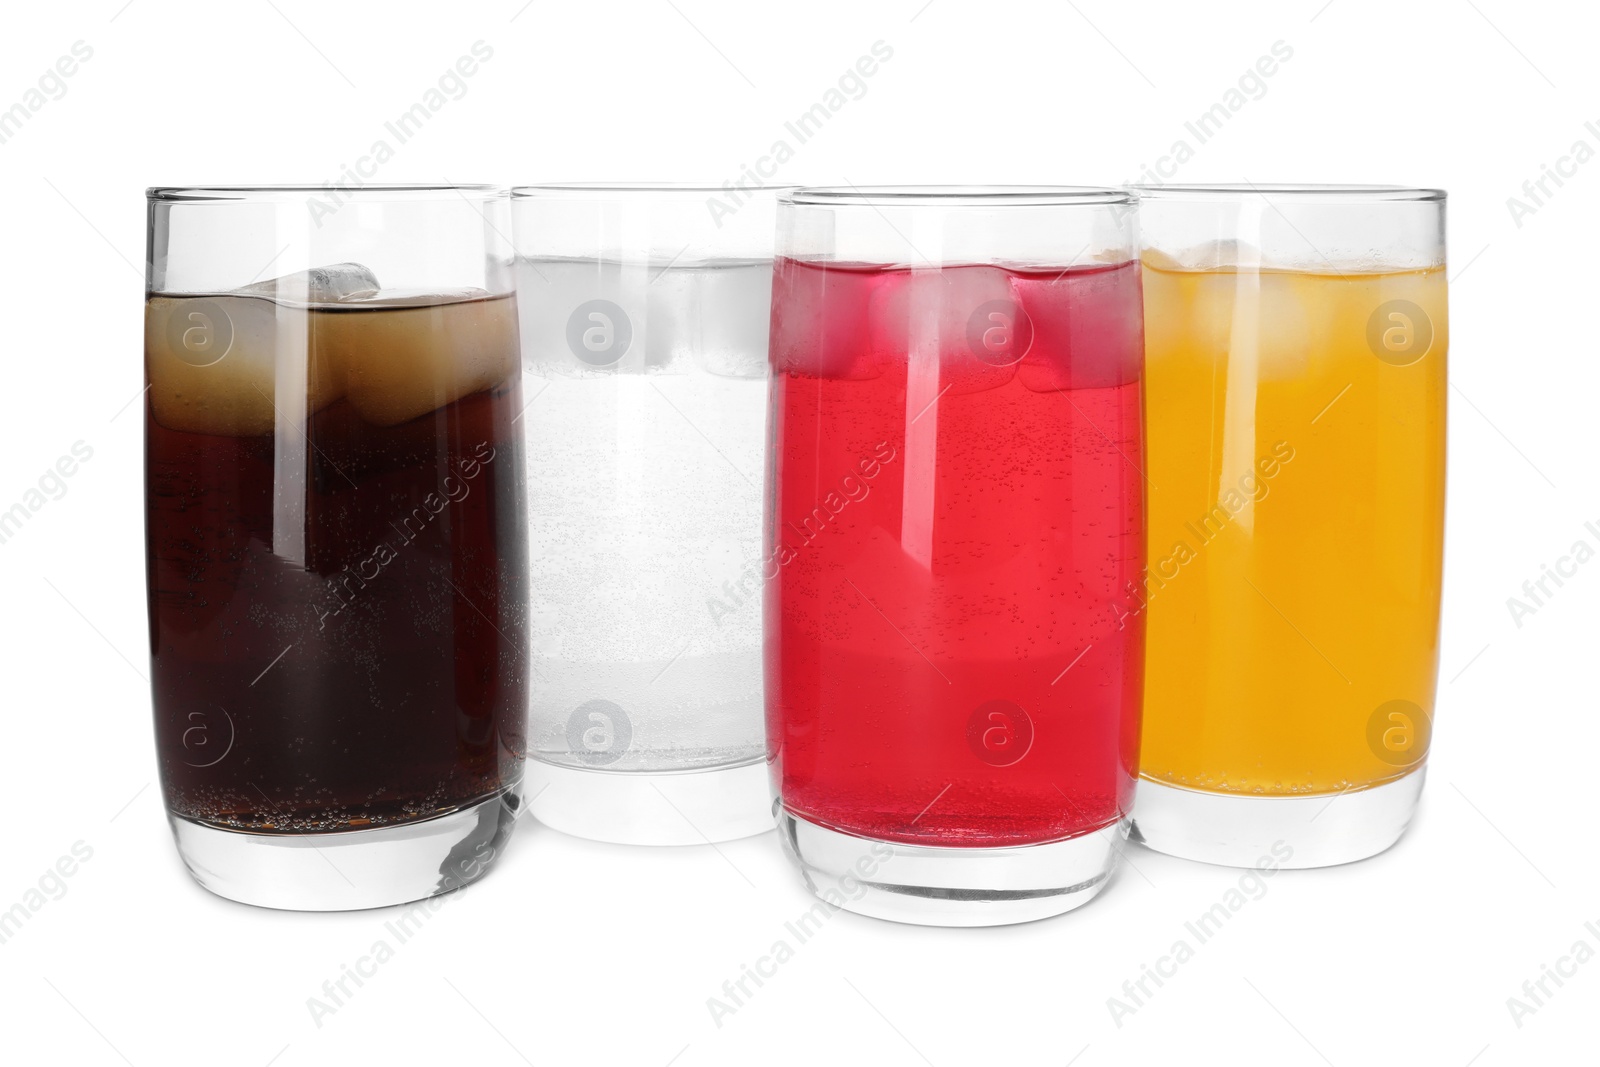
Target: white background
(575,952)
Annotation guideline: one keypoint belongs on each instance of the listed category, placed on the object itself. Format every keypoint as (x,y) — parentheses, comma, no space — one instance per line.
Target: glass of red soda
(955,529)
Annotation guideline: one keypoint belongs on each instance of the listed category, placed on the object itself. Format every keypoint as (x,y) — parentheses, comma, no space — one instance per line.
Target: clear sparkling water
(645,424)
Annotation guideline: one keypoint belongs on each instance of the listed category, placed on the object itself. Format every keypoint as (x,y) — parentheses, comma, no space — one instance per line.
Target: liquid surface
(955,507)
(1297,436)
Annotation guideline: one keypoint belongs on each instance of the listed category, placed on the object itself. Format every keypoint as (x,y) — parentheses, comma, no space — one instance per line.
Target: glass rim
(372,191)
(957,195)
(620,190)
(1302,191)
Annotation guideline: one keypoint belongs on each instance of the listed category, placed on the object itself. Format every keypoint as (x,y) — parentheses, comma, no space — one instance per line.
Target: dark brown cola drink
(336,553)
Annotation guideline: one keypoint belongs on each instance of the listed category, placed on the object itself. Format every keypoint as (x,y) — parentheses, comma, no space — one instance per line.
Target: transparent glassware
(644,338)
(955,510)
(336,538)
(1296,341)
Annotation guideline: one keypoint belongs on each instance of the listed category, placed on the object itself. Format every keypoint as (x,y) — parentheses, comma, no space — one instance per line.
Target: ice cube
(582,318)
(1156,259)
(319,285)
(677,318)
(734,303)
(1286,329)
(1087,328)
(821,321)
(212,363)
(1257,326)
(420,351)
(961,323)
(1222,254)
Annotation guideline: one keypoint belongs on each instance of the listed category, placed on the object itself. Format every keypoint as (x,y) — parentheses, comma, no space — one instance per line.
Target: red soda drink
(955,530)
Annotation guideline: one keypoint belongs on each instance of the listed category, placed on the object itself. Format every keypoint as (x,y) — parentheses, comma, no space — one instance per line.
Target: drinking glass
(954,507)
(644,338)
(336,538)
(1296,340)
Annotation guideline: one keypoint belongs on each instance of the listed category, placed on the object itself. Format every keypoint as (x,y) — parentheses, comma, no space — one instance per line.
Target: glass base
(353,869)
(646,808)
(1240,831)
(933,886)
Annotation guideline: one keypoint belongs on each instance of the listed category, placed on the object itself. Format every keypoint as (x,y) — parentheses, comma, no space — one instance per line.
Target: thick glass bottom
(1296,832)
(651,808)
(933,886)
(352,869)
